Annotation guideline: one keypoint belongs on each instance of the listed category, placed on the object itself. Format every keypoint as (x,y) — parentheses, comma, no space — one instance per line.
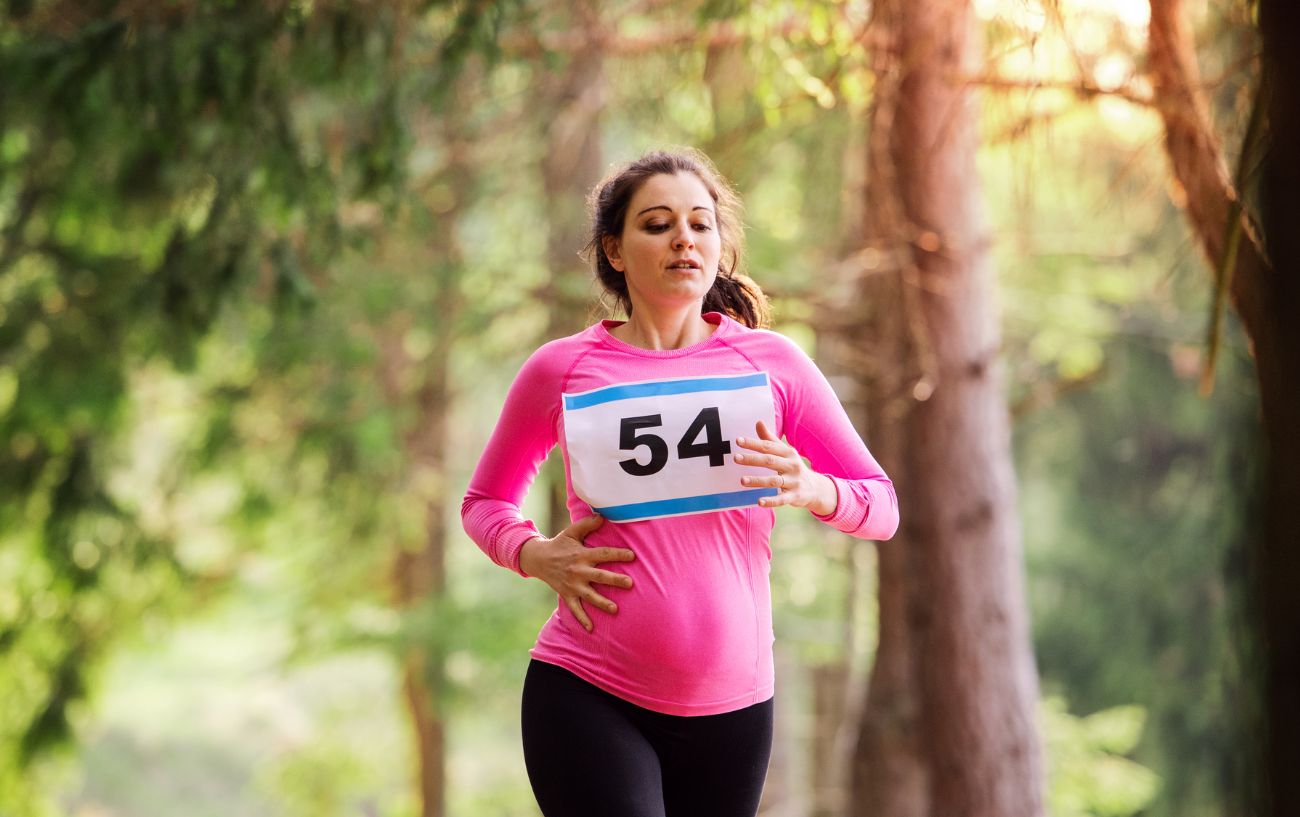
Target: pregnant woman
(650,687)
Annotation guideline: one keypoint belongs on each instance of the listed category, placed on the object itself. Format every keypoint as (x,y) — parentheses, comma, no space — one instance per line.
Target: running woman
(649,692)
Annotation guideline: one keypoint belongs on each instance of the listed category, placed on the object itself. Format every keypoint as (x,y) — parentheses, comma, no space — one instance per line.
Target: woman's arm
(524,435)
(817,427)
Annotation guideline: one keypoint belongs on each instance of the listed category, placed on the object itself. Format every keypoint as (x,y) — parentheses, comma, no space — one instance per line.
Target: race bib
(664,447)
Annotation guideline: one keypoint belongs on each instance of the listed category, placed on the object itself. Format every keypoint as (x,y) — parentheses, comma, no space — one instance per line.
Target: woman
(650,689)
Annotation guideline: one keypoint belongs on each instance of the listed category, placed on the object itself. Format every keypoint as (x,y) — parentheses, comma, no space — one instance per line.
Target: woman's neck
(648,329)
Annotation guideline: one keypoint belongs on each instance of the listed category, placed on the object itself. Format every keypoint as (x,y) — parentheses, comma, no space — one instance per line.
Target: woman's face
(670,248)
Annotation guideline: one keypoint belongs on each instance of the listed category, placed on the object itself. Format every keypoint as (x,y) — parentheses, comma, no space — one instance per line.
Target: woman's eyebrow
(669,209)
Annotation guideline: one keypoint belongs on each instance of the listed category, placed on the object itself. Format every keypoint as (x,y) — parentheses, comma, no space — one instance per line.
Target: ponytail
(739,297)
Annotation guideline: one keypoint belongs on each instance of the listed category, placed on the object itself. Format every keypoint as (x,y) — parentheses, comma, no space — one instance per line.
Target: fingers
(783,498)
(575,607)
(787,489)
(579,530)
(769,452)
(766,443)
(578,579)
(598,555)
(613,579)
(574,604)
(592,597)
(773,461)
(764,446)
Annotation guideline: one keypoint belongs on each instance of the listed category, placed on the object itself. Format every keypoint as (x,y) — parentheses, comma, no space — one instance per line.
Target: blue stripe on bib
(684,505)
(662,387)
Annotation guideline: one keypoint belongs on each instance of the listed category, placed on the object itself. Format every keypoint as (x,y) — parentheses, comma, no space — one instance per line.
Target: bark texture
(954,685)
(890,776)
(829,688)
(1265,293)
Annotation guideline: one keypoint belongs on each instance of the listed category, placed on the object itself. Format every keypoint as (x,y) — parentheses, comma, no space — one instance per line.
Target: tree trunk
(889,773)
(1266,296)
(829,683)
(419,574)
(890,777)
(1277,555)
(954,683)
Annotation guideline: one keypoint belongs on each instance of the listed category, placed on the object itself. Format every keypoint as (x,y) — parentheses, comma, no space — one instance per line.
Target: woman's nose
(682,240)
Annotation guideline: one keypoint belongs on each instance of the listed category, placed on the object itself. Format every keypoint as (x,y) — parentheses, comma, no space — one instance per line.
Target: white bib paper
(664,447)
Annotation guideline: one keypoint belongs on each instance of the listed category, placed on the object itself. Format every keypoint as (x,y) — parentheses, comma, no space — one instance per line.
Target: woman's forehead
(676,191)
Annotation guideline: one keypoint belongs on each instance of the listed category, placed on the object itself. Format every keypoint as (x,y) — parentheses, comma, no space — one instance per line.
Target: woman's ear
(610,244)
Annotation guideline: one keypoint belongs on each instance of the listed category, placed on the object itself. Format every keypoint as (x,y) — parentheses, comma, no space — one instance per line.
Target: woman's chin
(673,297)
(687,287)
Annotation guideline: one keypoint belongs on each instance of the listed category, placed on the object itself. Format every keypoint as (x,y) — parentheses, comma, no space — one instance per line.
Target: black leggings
(592,753)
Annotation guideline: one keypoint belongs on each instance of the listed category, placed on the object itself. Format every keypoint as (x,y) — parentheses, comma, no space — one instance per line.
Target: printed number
(707,421)
(628,439)
(713,447)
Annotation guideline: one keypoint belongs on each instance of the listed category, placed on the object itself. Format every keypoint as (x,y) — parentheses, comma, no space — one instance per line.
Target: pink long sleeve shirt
(693,635)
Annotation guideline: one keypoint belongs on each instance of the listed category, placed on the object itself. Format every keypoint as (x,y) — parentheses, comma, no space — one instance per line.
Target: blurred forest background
(267,270)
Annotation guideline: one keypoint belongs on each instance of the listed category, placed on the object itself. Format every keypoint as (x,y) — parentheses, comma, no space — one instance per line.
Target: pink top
(693,636)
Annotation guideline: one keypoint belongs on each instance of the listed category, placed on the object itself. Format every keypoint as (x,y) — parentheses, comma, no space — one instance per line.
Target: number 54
(707,421)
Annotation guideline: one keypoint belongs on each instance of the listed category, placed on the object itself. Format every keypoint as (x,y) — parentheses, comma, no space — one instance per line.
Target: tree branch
(1198,164)
(1083,88)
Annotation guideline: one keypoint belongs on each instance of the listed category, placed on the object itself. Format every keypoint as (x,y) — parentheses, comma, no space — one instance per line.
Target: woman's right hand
(569,567)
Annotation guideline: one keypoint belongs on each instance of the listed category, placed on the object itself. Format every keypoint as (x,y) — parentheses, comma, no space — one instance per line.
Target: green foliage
(154,164)
(1135,501)
(1089,775)
(1134,494)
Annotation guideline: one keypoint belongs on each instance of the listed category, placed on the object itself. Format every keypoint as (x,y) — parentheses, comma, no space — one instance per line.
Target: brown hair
(733,292)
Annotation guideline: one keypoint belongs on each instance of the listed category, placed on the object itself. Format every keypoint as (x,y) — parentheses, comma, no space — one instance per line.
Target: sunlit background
(247,485)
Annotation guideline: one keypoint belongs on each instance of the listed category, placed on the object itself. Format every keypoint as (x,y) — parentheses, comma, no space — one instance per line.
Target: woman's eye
(660,226)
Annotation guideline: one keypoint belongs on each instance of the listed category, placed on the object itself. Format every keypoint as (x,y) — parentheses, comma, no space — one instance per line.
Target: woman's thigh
(714,765)
(583,753)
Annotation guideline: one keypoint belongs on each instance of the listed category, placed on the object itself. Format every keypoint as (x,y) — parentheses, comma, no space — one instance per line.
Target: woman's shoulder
(555,357)
(767,343)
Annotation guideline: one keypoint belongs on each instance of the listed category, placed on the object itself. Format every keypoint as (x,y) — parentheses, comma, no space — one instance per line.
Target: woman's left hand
(798,484)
